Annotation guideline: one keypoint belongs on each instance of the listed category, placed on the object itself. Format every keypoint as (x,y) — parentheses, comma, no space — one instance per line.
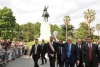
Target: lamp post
(66,20)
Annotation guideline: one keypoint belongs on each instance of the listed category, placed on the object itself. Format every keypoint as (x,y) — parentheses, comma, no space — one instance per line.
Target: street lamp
(66,20)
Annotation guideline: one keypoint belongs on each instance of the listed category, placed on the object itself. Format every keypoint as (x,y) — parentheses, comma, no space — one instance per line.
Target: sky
(31,10)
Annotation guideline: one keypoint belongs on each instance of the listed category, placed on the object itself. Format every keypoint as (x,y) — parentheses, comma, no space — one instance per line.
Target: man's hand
(84,64)
(54,38)
(98,64)
(52,55)
(78,62)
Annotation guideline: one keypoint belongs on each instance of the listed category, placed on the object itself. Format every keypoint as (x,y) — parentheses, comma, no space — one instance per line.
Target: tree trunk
(88,28)
(98,32)
(66,31)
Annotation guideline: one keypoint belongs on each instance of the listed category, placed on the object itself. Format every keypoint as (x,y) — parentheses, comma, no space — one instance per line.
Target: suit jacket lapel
(87,47)
(66,46)
(71,47)
(92,47)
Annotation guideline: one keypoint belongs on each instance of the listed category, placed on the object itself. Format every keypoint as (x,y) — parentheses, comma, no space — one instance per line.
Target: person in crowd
(0,45)
(43,51)
(35,52)
(10,54)
(0,51)
(70,54)
(59,53)
(26,48)
(20,44)
(51,49)
(90,53)
(99,52)
(79,46)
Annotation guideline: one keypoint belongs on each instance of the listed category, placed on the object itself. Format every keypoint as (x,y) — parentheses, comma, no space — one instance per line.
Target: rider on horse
(45,13)
(45,10)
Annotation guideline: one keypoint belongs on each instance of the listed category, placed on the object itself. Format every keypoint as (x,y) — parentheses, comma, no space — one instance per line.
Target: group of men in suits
(38,50)
(83,54)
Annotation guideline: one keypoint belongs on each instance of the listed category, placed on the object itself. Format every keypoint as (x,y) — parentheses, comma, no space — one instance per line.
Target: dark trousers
(52,61)
(91,64)
(80,65)
(25,52)
(69,62)
(61,63)
(35,58)
(43,58)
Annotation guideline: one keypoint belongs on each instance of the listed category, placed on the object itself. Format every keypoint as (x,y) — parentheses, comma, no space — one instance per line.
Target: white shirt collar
(90,44)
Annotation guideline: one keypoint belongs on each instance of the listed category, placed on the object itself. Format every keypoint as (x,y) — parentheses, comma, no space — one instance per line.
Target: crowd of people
(18,49)
(82,54)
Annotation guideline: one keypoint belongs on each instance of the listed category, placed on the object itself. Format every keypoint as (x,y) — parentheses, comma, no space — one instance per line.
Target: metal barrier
(5,55)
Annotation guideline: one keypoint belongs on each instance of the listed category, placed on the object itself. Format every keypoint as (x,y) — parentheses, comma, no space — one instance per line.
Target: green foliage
(69,31)
(7,23)
(82,32)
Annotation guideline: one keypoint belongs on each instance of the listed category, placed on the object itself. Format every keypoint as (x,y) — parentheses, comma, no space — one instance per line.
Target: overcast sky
(31,10)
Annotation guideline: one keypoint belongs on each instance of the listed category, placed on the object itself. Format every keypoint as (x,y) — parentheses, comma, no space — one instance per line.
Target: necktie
(68,52)
(90,52)
(80,46)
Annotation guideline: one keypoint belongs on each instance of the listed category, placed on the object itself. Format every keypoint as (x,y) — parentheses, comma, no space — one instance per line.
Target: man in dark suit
(43,52)
(79,46)
(99,52)
(90,53)
(70,54)
(51,48)
(35,52)
(59,53)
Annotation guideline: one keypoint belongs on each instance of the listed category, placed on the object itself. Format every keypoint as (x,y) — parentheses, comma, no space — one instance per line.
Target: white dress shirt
(79,46)
(99,46)
(90,45)
(36,45)
(0,46)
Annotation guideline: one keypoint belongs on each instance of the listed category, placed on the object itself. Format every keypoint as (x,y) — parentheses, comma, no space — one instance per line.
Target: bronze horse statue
(45,14)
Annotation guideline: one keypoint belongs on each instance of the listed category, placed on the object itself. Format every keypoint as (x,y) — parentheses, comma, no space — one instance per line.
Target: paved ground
(25,62)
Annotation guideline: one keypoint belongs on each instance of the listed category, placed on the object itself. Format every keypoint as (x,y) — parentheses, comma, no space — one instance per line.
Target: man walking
(79,46)
(43,51)
(90,53)
(51,48)
(35,52)
(59,53)
(70,54)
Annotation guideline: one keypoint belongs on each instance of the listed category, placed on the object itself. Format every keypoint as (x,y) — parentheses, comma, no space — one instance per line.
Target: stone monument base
(45,31)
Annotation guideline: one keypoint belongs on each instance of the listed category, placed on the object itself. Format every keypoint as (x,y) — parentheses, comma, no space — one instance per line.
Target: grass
(29,44)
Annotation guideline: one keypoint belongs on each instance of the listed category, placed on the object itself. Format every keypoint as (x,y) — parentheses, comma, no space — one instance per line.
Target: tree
(98,28)
(92,29)
(82,31)
(37,28)
(27,32)
(7,22)
(89,15)
(58,29)
(66,20)
(70,29)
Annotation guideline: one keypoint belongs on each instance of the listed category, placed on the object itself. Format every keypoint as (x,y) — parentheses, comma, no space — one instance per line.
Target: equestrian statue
(45,14)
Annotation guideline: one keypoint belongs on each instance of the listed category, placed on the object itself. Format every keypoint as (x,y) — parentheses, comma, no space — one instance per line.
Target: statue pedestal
(45,31)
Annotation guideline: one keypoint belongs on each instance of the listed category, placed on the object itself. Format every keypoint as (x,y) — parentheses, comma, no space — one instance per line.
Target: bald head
(79,41)
(69,40)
